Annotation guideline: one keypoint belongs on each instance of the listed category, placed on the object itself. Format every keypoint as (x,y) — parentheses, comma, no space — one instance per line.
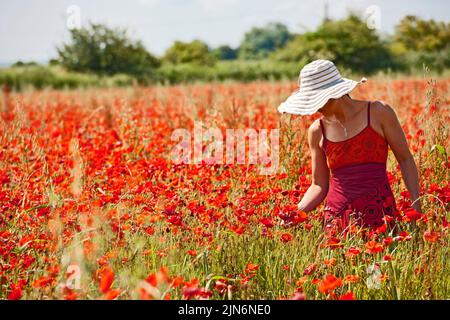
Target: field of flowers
(92,207)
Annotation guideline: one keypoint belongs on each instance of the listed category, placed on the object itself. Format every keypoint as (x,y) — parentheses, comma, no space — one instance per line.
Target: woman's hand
(396,139)
(318,190)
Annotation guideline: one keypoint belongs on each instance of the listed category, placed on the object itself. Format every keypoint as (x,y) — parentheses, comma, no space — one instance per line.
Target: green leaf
(440,149)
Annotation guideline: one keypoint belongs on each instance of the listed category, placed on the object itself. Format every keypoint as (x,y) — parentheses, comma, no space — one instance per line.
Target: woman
(351,140)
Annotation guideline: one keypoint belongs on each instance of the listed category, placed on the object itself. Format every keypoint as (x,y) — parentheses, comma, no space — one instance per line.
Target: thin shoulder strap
(368,114)
(322,128)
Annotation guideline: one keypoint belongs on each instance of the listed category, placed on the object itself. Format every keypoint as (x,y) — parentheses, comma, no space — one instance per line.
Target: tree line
(271,51)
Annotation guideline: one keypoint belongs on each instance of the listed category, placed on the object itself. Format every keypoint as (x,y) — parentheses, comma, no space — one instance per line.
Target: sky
(31,29)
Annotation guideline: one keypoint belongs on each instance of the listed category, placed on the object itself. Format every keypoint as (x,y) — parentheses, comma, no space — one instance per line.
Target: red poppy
(347,296)
(431,236)
(267,222)
(403,236)
(286,237)
(329,262)
(191,290)
(351,278)
(373,247)
(111,294)
(334,243)
(298,296)
(352,252)
(387,241)
(15,293)
(329,283)
(412,215)
(106,277)
(388,257)
(70,295)
(251,268)
(310,269)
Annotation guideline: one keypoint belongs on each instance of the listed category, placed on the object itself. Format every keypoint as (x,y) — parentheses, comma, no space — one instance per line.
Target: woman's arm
(318,189)
(395,136)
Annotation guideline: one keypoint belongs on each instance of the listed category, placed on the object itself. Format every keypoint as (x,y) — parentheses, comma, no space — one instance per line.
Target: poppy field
(93,207)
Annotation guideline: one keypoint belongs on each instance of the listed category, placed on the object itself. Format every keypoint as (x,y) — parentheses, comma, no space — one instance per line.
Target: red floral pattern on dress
(366,211)
(367,146)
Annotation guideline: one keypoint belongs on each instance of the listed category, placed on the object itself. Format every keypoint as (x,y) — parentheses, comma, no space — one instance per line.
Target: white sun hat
(319,81)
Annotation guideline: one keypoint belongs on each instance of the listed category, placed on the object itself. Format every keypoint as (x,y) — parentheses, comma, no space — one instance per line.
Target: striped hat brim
(307,102)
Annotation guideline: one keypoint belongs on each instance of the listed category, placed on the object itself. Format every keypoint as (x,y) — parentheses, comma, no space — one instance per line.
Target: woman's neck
(339,109)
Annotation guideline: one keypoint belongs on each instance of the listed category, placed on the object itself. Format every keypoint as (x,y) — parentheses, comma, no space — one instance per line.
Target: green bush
(105,51)
(40,77)
(195,52)
(349,43)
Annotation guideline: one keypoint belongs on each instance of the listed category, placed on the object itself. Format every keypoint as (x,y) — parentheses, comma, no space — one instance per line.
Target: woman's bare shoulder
(315,132)
(382,112)
(381,108)
(314,128)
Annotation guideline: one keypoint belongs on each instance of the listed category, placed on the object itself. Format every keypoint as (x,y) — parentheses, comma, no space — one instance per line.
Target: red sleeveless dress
(359,193)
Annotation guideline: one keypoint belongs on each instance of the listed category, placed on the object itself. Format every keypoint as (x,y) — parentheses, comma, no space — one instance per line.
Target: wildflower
(43,282)
(310,269)
(388,257)
(334,243)
(431,236)
(149,230)
(384,277)
(106,277)
(298,296)
(16,292)
(191,290)
(300,282)
(373,247)
(70,295)
(286,237)
(329,262)
(251,268)
(403,236)
(381,229)
(192,253)
(351,278)
(330,283)
(111,294)
(352,252)
(291,216)
(412,215)
(176,281)
(267,222)
(146,252)
(103,260)
(175,220)
(347,296)
(387,241)
(308,226)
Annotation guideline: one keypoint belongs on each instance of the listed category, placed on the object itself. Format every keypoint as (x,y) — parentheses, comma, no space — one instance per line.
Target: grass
(31,77)
(87,185)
